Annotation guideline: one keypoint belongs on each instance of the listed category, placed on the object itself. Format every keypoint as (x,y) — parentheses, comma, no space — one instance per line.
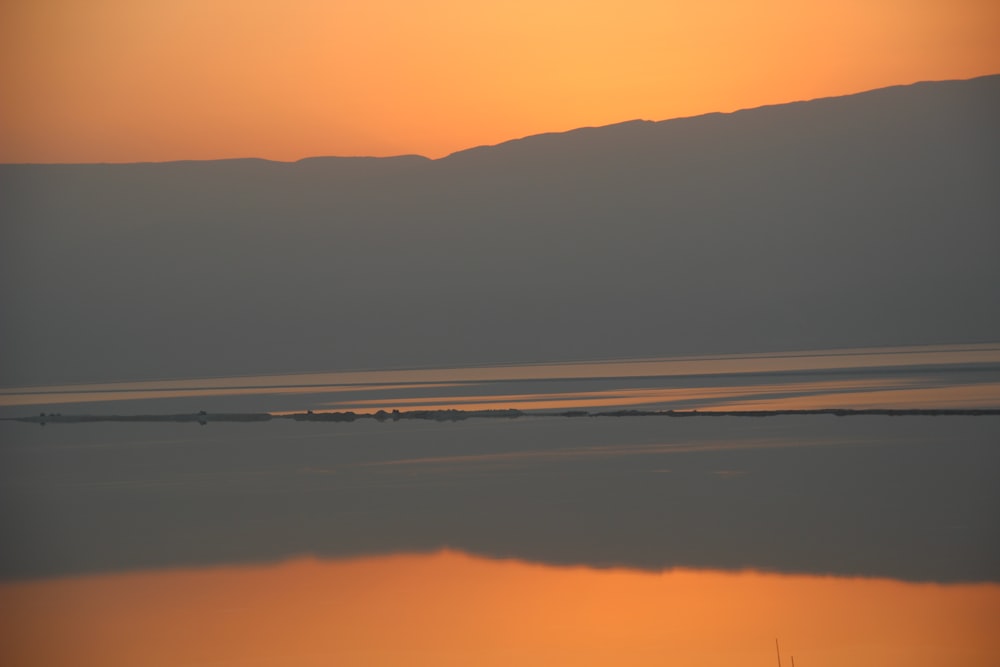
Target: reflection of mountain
(905,497)
(868,219)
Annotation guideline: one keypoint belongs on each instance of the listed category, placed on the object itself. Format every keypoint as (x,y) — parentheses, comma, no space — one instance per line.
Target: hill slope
(862,220)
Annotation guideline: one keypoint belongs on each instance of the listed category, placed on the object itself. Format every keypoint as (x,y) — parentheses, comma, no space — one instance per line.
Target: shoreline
(459,415)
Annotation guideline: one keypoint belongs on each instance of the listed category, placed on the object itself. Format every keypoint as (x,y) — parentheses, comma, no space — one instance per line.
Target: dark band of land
(459,415)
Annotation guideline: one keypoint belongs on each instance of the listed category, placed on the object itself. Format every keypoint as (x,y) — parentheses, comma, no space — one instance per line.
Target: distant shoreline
(459,415)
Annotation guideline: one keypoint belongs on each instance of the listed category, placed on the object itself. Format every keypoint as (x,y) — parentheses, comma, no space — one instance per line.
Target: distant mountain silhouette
(861,220)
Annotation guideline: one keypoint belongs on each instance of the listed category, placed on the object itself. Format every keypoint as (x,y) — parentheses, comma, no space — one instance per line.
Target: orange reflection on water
(818,391)
(807,361)
(453,609)
(980,395)
(103,395)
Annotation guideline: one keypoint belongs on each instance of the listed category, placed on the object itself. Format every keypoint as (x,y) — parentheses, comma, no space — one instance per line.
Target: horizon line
(543,133)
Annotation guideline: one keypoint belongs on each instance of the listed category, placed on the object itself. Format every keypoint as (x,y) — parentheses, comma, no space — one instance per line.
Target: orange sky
(450,609)
(127,80)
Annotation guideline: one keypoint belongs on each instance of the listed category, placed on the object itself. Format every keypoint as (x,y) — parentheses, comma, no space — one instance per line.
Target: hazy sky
(121,80)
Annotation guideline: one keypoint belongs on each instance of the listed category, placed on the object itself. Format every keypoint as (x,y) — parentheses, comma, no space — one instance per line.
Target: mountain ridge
(852,221)
(548,134)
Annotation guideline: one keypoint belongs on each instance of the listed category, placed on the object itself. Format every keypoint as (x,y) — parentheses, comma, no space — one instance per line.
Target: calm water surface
(941,376)
(588,541)
(449,608)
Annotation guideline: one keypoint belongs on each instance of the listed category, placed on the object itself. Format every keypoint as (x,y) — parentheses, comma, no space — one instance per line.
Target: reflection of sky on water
(907,392)
(861,540)
(914,377)
(448,608)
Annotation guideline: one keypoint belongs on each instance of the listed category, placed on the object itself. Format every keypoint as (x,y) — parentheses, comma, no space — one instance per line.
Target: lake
(861,540)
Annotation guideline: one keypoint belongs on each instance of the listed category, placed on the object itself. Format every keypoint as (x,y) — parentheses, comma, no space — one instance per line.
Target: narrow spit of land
(459,415)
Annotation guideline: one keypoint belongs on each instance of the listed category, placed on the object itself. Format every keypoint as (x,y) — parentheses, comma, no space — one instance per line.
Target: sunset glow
(105,80)
(536,333)
(452,609)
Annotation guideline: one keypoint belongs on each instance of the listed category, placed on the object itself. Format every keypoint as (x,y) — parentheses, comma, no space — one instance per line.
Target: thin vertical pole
(778,649)
(793,661)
